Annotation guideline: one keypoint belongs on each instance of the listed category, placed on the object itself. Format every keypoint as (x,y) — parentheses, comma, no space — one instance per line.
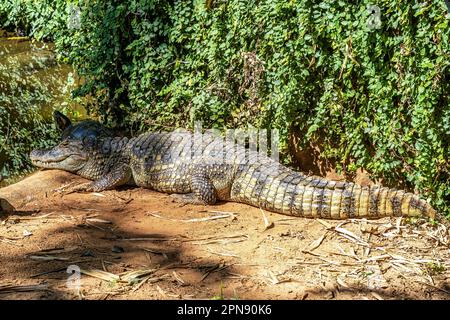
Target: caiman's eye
(89,141)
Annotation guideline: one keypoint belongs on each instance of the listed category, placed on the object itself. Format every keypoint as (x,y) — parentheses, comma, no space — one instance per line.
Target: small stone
(88,253)
(27,233)
(117,249)
(6,207)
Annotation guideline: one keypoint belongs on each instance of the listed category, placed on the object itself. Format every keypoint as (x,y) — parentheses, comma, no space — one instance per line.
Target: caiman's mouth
(48,159)
(45,164)
(46,156)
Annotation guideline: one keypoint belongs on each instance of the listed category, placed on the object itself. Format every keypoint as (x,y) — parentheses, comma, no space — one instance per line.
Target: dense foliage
(374,93)
(31,84)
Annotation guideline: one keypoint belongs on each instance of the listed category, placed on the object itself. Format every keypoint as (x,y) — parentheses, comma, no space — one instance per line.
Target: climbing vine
(376,87)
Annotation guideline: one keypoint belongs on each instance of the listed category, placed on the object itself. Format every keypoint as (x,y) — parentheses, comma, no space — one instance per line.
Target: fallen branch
(214,217)
(267,224)
(22,288)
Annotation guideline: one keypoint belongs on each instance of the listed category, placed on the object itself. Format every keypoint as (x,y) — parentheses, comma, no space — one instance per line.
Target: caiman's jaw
(58,158)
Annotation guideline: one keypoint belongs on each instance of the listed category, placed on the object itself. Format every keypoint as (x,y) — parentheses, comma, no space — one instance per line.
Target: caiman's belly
(163,178)
(177,178)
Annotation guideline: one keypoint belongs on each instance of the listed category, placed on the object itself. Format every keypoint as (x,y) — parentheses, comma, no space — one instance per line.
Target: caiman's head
(76,147)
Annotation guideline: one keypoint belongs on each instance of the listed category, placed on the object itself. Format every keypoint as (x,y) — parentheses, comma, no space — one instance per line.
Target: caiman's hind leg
(203,190)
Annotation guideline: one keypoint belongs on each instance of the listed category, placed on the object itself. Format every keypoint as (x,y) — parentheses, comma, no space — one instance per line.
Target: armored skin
(204,168)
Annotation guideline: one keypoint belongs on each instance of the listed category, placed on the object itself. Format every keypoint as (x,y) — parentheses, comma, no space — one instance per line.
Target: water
(31,76)
(32,85)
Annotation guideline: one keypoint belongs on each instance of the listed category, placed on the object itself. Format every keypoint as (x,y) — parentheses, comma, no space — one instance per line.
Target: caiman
(205,168)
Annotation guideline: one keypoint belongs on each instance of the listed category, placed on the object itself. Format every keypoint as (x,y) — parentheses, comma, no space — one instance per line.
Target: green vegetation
(433,268)
(376,98)
(31,83)
(24,98)
(221,295)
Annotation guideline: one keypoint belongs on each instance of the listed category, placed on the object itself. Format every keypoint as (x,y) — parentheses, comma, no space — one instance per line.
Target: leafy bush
(30,83)
(375,97)
(22,125)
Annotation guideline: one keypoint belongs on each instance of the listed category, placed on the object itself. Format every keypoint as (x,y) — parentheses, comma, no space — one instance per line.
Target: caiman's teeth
(43,162)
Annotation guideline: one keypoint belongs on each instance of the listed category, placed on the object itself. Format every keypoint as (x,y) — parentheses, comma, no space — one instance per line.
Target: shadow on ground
(188,252)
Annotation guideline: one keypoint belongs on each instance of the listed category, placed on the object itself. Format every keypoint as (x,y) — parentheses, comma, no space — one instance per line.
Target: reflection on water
(30,75)
(32,84)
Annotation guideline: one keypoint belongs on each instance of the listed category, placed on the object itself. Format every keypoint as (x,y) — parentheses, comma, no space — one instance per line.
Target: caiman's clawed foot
(184,199)
(83,187)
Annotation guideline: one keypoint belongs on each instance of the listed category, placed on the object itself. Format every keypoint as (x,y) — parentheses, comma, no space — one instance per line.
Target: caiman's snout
(40,157)
(57,158)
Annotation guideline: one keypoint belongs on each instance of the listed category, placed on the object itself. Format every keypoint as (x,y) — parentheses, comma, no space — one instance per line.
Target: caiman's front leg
(118,176)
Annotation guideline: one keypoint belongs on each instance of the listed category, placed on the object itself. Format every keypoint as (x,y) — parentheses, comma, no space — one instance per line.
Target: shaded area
(6,207)
(187,252)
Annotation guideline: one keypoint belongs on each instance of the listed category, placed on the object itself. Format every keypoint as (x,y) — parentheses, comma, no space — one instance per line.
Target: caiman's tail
(295,194)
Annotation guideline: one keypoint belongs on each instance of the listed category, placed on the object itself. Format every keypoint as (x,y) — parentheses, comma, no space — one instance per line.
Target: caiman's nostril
(34,154)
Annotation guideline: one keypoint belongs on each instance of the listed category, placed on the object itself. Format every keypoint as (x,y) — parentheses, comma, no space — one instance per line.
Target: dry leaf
(316,243)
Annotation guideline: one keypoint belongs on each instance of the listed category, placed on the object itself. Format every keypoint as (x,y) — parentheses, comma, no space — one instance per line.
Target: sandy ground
(137,244)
